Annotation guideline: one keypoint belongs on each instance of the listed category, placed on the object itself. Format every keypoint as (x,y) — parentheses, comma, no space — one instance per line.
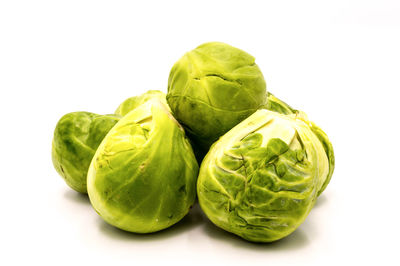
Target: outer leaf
(329,153)
(279,106)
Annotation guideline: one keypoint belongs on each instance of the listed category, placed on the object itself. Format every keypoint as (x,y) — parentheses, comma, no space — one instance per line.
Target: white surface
(338,62)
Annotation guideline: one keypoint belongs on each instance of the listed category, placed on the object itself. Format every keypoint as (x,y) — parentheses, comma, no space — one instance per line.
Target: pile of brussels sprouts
(262,163)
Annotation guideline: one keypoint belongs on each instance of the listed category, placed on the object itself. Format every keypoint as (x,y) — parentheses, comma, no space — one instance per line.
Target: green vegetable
(142,178)
(76,138)
(261,179)
(133,102)
(212,88)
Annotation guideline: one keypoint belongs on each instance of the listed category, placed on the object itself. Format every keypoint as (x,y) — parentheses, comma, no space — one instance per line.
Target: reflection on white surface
(195,221)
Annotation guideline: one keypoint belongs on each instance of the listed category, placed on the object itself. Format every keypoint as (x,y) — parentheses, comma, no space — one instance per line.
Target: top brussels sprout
(261,179)
(133,102)
(76,138)
(212,88)
(143,175)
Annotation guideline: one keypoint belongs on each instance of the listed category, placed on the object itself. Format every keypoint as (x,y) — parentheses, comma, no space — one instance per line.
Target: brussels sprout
(277,105)
(212,88)
(261,179)
(76,138)
(142,178)
(133,102)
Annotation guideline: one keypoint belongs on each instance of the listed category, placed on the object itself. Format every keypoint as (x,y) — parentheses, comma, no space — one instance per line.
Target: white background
(339,61)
